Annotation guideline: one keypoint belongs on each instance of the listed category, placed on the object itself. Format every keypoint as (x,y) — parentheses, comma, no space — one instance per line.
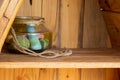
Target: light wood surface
(6,74)
(47,74)
(94,36)
(26,74)
(50,11)
(25,9)
(69,74)
(9,14)
(3,7)
(99,74)
(70,16)
(84,58)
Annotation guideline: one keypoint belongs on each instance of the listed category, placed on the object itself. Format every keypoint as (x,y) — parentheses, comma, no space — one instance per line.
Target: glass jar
(31,33)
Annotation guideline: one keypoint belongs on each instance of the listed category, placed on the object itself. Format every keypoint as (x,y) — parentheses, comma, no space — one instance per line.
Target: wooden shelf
(82,58)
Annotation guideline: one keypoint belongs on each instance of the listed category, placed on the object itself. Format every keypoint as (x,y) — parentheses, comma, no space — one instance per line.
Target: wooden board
(9,15)
(69,74)
(3,7)
(93,74)
(83,58)
(94,36)
(26,74)
(50,11)
(95,33)
(70,16)
(112,21)
(25,9)
(47,74)
(6,74)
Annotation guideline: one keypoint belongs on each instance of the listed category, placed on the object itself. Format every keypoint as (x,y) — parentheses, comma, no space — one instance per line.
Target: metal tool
(31,2)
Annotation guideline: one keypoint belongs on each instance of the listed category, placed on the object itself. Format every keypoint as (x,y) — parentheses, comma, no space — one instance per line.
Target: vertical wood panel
(112,74)
(36,8)
(25,9)
(35,74)
(47,74)
(26,74)
(95,36)
(95,33)
(93,74)
(6,74)
(70,16)
(50,13)
(113,26)
(68,74)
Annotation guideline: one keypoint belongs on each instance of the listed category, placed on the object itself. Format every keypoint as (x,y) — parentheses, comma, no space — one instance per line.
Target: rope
(44,54)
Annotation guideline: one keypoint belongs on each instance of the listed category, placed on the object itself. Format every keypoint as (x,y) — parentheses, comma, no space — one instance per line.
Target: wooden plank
(1,2)
(95,33)
(80,59)
(94,36)
(3,7)
(3,23)
(112,21)
(112,74)
(87,74)
(47,74)
(36,8)
(70,12)
(25,9)
(69,74)
(50,12)
(6,74)
(10,14)
(70,16)
(26,74)
(11,7)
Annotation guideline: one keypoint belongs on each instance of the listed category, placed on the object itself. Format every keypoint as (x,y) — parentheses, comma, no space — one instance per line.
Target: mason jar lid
(28,20)
(29,24)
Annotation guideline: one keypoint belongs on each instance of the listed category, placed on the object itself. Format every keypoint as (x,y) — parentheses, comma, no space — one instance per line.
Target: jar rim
(29,17)
(28,20)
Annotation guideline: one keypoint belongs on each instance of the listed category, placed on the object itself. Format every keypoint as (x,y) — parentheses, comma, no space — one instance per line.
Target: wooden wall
(75,24)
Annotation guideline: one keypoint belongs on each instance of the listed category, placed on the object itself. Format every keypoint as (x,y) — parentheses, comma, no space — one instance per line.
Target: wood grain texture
(6,74)
(25,9)
(3,23)
(70,16)
(51,12)
(36,8)
(11,8)
(112,74)
(95,33)
(93,74)
(69,74)
(83,58)
(3,7)
(113,26)
(47,74)
(26,74)
(10,14)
